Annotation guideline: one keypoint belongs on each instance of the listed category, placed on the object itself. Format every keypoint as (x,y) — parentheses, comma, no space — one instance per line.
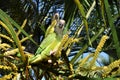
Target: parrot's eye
(61,25)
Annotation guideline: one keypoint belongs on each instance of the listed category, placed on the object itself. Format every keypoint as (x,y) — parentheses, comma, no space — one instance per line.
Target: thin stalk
(81,8)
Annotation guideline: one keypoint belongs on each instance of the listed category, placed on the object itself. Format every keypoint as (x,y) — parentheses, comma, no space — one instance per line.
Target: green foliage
(112,26)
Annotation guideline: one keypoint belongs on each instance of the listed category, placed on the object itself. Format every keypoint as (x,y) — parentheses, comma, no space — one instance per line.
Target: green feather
(51,45)
(47,41)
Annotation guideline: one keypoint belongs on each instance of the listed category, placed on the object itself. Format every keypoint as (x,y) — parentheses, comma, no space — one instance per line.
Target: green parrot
(49,34)
(50,44)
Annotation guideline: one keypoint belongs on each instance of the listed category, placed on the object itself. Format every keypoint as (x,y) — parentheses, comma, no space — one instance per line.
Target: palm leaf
(112,26)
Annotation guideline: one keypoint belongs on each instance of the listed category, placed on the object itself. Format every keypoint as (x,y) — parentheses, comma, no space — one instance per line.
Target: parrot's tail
(35,59)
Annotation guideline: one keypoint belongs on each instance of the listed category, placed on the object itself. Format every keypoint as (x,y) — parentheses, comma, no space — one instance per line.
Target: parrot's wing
(46,53)
(46,42)
(50,47)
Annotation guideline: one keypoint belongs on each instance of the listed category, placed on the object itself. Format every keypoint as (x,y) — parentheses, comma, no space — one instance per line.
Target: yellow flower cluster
(98,49)
(5,67)
(112,69)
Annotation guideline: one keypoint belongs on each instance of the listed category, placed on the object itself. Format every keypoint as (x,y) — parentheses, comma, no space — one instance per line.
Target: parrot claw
(49,61)
(52,52)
